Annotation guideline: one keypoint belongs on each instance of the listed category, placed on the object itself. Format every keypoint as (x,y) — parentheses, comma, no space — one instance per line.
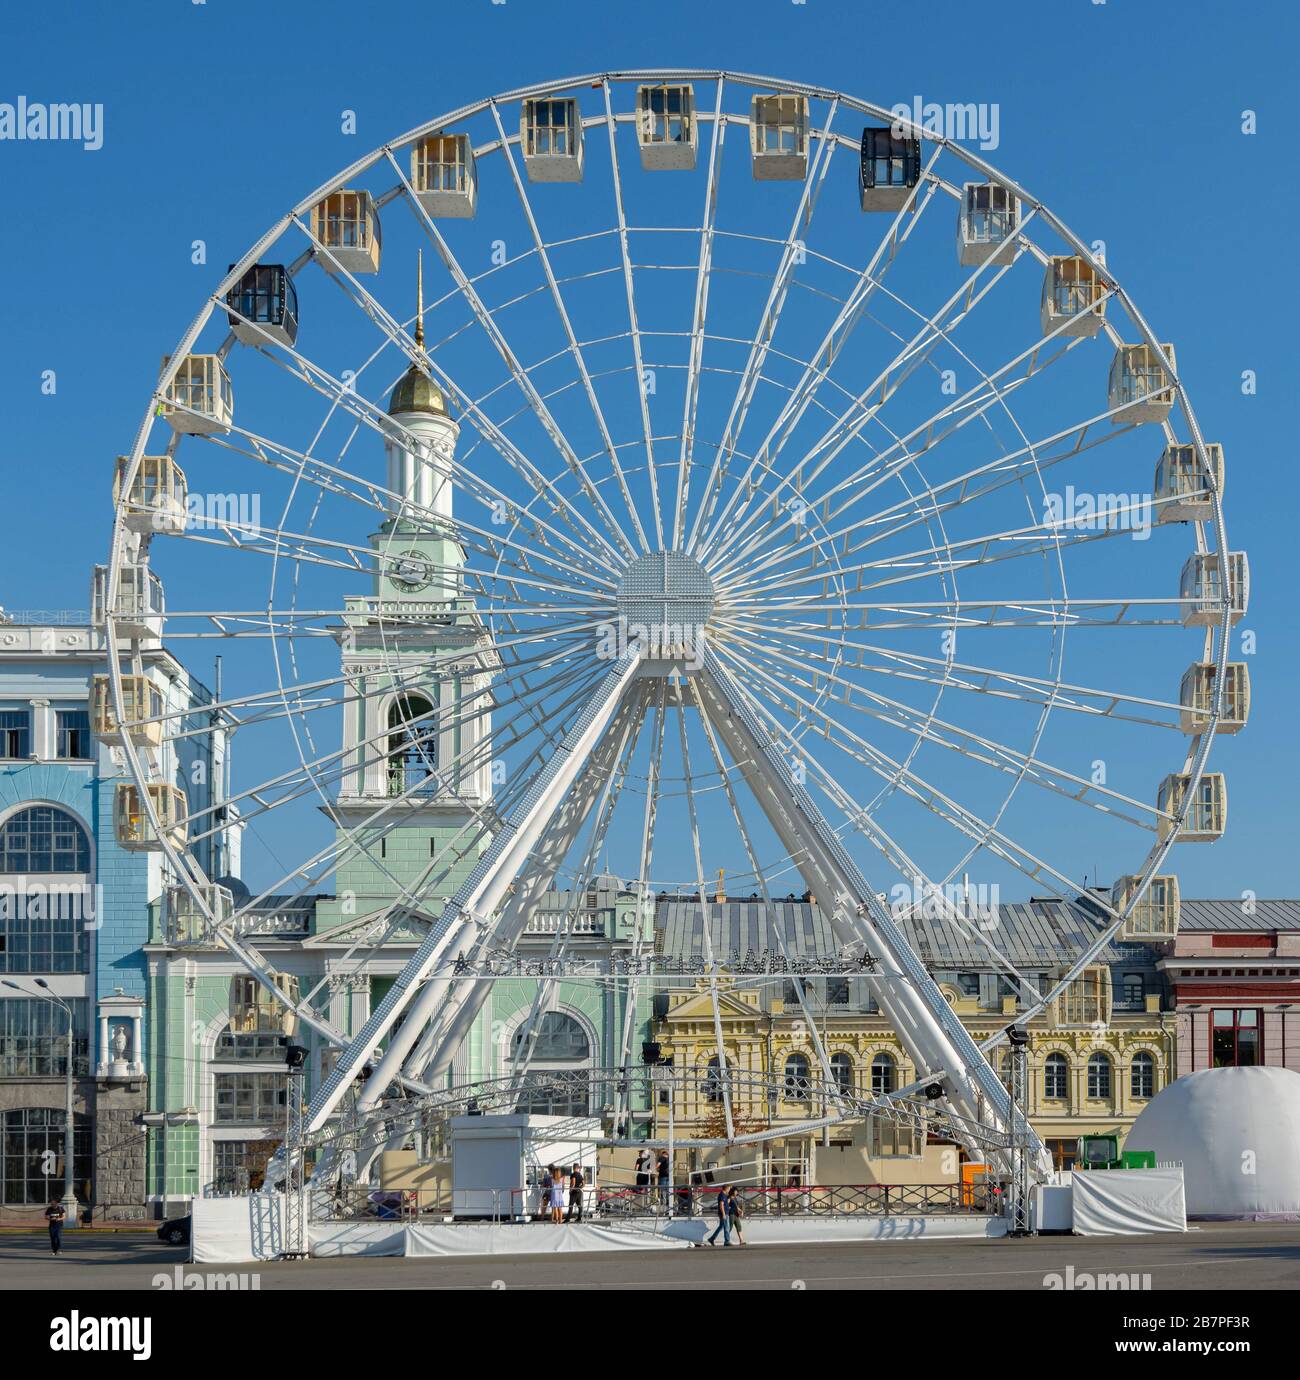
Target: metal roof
(1231,915)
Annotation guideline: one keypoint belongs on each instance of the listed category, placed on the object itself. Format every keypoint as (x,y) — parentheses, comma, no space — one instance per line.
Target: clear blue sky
(1125,117)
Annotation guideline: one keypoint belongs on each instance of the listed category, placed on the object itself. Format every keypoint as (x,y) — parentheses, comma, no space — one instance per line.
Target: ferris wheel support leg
(929,1029)
(475,903)
(438,1045)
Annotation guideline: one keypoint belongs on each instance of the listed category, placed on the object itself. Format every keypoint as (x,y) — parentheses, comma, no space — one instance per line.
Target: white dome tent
(1237,1133)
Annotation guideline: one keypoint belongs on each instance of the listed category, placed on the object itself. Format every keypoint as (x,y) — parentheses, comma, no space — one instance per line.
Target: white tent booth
(497,1162)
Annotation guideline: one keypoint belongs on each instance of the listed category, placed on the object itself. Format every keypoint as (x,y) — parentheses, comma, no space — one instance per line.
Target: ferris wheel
(673,472)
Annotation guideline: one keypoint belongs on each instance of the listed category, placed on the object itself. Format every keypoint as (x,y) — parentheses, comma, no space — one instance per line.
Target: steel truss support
(929,1029)
(470,912)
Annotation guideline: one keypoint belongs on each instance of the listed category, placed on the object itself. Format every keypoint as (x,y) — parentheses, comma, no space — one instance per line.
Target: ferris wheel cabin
(1208,813)
(199,400)
(665,127)
(1201,589)
(986,228)
(187,921)
(550,134)
(1155,915)
(262,307)
(1196,696)
(138,606)
(156,499)
(891,167)
(444,176)
(1183,491)
(134,828)
(347,225)
(1073,300)
(1140,389)
(778,138)
(141,700)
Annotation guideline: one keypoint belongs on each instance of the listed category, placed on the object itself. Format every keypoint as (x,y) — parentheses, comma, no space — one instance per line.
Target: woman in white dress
(557,1197)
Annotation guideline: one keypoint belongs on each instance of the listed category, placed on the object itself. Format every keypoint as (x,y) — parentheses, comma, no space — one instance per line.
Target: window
(797,1078)
(711,1085)
(550,127)
(1064,1152)
(890,1139)
(239,1166)
(42,839)
(1004,1068)
(1086,1000)
(1235,1042)
(558,1036)
(1134,990)
(1142,1075)
(968,984)
(842,1072)
(665,114)
(31,1155)
(251,1099)
(34,1039)
(837,991)
(412,744)
(556,1083)
(883,1075)
(1056,1077)
(73,734)
(45,934)
(264,1045)
(1099,1083)
(15,732)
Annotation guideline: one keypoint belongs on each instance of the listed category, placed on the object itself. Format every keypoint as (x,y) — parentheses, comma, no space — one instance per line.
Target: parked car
(176,1232)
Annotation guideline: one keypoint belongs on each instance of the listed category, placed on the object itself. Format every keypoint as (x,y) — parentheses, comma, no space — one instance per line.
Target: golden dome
(417,393)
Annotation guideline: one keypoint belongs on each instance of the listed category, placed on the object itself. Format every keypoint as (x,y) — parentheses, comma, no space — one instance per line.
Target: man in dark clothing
(663,1173)
(55,1215)
(724,1217)
(576,1182)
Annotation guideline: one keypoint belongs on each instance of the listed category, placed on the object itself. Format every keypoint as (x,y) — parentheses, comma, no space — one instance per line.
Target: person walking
(576,1182)
(56,1214)
(724,1218)
(557,1197)
(736,1211)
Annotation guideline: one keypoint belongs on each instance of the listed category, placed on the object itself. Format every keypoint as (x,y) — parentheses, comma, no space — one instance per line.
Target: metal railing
(810,1200)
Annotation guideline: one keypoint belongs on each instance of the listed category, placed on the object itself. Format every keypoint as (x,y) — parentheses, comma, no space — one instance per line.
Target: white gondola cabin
(1182,488)
(138,606)
(444,176)
(1140,388)
(1073,297)
(1207,814)
(155,501)
(199,400)
(262,307)
(1201,588)
(1155,915)
(187,921)
(255,1010)
(665,127)
(550,134)
(986,227)
(347,225)
(142,701)
(778,137)
(890,168)
(134,828)
(1196,696)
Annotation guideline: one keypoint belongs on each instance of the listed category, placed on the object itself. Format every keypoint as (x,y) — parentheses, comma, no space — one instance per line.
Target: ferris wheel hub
(665,599)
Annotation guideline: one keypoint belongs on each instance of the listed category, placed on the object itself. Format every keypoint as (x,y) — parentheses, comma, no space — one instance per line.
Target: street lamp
(68,1142)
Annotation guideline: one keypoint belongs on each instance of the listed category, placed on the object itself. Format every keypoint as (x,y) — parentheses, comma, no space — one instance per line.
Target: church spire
(419,299)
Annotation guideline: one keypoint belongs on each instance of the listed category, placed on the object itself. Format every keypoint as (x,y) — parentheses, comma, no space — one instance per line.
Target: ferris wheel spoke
(1019,613)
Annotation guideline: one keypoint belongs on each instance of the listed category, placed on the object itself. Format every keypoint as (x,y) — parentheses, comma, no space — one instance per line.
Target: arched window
(31,1156)
(412,744)
(41,839)
(711,1085)
(842,1072)
(555,1082)
(884,1073)
(1056,1077)
(798,1077)
(1004,1068)
(1099,1082)
(1142,1075)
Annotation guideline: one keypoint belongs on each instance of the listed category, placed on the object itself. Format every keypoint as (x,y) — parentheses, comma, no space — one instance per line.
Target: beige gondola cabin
(1201,590)
(1196,696)
(138,606)
(666,127)
(254,1009)
(199,400)
(156,498)
(1074,297)
(987,224)
(1208,814)
(134,828)
(1140,389)
(444,176)
(347,225)
(187,921)
(142,702)
(1155,915)
(550,135)
(778,137)
(1183,490)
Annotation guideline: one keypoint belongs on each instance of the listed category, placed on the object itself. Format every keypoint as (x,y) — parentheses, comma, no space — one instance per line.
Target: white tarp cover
(526,1239)
(1236,1132)
(225,1230)
(1128,1202)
